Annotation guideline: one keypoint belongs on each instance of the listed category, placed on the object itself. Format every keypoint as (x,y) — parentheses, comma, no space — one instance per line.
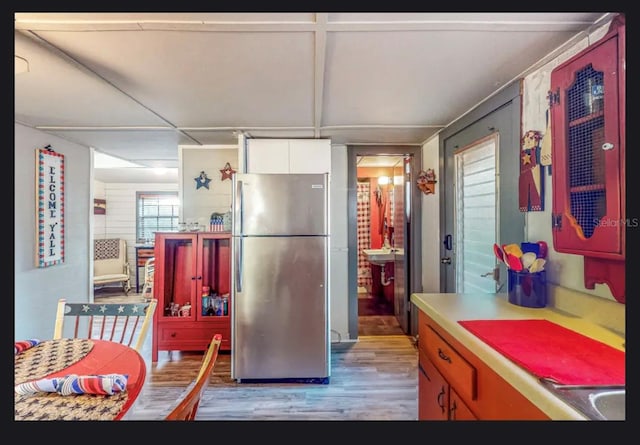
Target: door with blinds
(480,205)
(476,216)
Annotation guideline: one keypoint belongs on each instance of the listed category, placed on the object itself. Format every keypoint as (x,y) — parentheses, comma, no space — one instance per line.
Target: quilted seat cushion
(110,278)
(108,267)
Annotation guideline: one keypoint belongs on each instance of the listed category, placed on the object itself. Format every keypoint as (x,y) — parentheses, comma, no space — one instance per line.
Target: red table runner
(548,350)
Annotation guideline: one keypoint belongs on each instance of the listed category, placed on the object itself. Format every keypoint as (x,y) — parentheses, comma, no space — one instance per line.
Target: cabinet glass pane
(214,270)
(179,267)
(585,105)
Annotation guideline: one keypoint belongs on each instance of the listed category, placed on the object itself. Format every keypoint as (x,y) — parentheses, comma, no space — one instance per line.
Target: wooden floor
(374,378)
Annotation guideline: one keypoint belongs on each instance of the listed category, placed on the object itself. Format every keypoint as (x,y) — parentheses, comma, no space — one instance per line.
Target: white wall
(199,203)
(339,252)
(563,269)
(431,221)
(37,290)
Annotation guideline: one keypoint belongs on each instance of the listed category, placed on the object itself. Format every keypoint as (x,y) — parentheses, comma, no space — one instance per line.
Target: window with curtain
(156,212)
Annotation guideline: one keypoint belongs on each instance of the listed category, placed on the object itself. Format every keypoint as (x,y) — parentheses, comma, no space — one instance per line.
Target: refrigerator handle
(239,212)
(239,242)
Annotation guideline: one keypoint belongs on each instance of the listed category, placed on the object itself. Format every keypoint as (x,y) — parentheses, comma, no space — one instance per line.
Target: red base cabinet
(433,391)
(454,384)
(187,262)
(587,103)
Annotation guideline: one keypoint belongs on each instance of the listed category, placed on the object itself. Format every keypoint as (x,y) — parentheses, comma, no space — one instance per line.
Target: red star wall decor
(227,171)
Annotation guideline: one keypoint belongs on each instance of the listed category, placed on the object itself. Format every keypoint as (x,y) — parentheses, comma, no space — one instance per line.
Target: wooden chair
(186,406)
(149,269)
(120,322)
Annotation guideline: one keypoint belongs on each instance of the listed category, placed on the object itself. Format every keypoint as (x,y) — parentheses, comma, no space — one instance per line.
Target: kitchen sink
(594,402)
(379,256)
(610,403)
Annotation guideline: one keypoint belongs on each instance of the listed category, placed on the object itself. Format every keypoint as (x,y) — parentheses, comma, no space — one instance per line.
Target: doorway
(375,226)
(383,213)
(498,121)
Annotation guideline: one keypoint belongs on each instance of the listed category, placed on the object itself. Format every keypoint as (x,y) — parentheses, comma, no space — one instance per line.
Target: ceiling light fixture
(21,65)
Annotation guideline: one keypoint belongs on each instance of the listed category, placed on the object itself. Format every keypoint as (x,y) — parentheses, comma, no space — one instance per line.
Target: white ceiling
(135,85)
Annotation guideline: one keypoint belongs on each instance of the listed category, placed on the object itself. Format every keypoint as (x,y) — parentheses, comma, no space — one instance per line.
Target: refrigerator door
(280,204)
(280,317)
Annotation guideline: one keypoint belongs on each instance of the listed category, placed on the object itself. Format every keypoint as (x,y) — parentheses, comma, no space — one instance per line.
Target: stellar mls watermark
(608,222)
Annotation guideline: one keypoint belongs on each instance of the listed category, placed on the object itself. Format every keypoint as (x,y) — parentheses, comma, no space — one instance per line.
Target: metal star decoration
(227,171)
(202,180)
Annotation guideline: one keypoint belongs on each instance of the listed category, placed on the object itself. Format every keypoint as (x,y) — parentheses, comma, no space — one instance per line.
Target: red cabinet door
(588,152)
(433,392)
(587,103)
(458,410)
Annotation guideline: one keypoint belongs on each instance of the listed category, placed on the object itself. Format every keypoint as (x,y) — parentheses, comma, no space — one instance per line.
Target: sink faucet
(386,245)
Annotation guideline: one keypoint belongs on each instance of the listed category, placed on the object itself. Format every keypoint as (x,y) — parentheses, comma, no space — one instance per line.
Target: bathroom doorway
(375,225)
(383,215)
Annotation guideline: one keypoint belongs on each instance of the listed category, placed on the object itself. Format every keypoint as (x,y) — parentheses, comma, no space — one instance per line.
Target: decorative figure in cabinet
(185,310)
(530,183)
(172,309)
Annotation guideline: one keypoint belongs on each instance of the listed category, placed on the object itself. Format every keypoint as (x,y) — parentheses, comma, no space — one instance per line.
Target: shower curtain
(364,235)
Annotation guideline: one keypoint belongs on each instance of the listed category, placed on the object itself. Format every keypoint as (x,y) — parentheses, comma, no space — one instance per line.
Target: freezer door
(280,317)
(280,204)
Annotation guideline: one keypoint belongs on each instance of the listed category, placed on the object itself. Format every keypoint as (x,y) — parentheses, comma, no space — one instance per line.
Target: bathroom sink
(594,402)
(379,256)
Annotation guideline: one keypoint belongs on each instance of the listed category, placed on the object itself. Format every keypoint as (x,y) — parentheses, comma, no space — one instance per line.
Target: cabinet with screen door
(587,104)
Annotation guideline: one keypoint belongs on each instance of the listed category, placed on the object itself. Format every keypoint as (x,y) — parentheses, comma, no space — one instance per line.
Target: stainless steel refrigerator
(280,277)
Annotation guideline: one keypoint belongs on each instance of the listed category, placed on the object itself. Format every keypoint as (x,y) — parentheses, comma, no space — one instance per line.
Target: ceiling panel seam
(299,26)
(319,70)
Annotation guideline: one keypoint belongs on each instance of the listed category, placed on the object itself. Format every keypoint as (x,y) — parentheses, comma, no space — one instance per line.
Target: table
(143,252)
(56,358)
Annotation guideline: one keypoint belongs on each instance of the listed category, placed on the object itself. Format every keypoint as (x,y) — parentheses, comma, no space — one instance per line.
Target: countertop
(448,308)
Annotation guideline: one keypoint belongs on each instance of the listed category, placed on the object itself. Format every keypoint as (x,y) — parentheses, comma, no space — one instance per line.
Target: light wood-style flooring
(374,378)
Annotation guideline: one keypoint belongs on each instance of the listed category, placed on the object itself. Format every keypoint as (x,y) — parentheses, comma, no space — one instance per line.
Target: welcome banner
(50,207)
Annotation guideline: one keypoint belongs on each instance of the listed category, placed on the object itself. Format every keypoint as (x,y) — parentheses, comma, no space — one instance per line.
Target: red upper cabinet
(587,125)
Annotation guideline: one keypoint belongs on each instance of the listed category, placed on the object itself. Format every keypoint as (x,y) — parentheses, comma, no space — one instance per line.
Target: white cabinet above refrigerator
(288,155)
